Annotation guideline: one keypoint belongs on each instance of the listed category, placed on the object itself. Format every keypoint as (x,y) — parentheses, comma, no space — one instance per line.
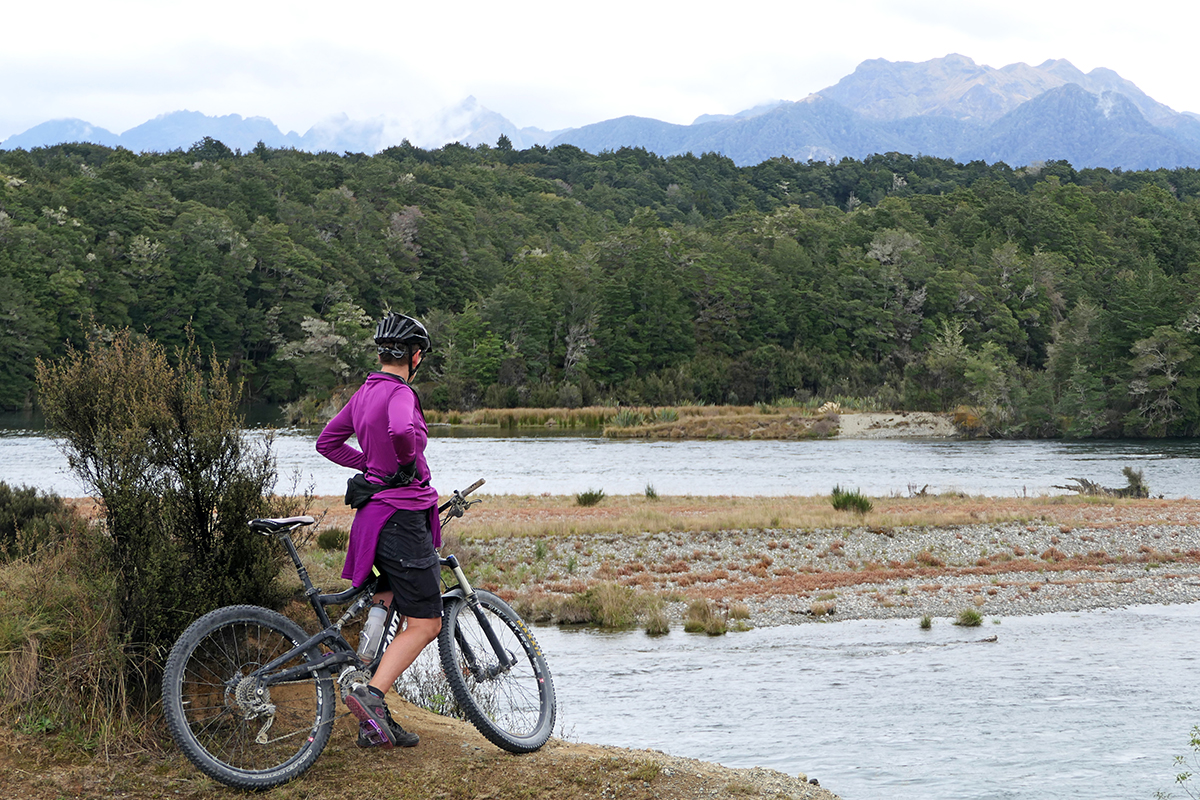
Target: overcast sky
(540,63)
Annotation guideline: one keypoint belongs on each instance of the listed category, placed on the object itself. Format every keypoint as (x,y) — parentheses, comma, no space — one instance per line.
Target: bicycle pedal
(371,735)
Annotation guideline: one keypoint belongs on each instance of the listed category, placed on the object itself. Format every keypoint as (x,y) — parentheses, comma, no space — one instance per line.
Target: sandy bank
(896,425)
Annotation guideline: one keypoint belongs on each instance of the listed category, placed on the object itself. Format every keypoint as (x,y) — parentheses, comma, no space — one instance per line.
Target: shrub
(589,498)
(163,445)
(651,492)
(850,501)
(30,519)
(333,539)
(969,618)
(926,622)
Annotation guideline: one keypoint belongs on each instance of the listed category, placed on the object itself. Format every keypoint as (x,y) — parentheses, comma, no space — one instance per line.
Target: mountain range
(949,107)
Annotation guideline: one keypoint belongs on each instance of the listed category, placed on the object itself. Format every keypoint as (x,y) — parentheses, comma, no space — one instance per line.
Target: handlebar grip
(472,487)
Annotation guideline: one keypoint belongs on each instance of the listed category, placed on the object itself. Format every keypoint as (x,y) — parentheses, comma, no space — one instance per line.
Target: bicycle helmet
(398,336)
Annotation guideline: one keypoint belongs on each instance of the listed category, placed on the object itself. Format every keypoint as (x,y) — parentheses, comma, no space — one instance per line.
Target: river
(537,463)
(1068,705)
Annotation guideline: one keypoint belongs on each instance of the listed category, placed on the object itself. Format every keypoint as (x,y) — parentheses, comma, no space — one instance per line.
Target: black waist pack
(359,490)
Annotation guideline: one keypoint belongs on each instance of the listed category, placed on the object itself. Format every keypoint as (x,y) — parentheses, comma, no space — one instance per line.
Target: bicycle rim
(515,708)
(216,717)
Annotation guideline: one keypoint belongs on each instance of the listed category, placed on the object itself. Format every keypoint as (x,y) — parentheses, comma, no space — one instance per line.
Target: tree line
(1042,301)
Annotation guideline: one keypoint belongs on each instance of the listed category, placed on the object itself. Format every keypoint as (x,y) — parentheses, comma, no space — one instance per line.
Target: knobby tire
(514,709)
(204,717)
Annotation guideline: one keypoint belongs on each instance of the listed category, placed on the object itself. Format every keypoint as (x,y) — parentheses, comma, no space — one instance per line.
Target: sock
(375,691)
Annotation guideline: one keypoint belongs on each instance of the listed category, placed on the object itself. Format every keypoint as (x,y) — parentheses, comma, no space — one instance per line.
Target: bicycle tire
(514,710)
(204,717)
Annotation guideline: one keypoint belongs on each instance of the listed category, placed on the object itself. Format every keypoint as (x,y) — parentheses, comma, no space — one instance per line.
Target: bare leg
(404,650)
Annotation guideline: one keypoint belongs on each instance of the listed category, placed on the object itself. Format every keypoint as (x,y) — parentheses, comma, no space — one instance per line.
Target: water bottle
(372,632)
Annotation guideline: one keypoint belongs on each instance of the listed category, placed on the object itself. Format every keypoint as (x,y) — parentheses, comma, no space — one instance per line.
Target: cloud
(540,63)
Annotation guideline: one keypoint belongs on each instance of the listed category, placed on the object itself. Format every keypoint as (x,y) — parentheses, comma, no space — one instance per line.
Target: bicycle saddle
(282,523)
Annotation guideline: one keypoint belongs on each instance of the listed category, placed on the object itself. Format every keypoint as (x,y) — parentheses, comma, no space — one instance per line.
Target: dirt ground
(452,762)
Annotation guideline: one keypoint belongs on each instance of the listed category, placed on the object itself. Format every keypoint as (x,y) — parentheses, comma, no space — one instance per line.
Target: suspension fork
(505,659)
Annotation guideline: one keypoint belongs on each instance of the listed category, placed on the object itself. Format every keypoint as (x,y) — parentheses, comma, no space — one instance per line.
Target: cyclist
(397,530)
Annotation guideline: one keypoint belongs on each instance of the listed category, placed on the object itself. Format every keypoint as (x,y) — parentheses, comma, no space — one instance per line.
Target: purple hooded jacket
(385,416)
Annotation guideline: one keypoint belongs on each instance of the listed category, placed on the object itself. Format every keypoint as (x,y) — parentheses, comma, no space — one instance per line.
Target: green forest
(1050,301)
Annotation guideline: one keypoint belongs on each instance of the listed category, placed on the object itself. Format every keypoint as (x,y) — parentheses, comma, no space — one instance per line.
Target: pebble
(1004,569)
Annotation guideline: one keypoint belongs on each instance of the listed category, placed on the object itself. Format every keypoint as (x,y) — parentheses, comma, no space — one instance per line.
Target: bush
(30,519)
(162,444)
(333,539)
(850,501)
(589,498)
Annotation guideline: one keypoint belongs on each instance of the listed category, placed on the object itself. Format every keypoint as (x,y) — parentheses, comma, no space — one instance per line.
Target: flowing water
(573,463)
(1068,705)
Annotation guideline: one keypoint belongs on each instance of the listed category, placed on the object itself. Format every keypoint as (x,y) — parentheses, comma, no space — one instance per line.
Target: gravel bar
(789,577)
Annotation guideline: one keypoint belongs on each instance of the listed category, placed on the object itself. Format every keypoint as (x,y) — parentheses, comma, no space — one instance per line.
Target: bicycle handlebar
(459,497)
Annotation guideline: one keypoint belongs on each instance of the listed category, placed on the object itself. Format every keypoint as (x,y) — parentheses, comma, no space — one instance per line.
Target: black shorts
(409,564)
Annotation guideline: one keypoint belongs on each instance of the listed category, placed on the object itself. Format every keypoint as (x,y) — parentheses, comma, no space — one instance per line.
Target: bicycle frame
(341,652)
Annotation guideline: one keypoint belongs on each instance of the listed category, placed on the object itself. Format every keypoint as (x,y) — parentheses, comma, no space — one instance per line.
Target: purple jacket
(385,416)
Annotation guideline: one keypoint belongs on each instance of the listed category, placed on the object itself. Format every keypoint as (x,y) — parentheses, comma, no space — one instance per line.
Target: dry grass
(730,422)
(654,422)
(549,516)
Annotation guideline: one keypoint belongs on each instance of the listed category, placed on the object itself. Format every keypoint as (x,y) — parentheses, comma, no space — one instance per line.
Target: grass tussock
(589,498)
(703,617)
(657,623)
(845,500)
(969,618)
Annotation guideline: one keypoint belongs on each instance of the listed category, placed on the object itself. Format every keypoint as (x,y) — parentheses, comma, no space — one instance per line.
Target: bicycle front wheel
(218,719)
(512,706)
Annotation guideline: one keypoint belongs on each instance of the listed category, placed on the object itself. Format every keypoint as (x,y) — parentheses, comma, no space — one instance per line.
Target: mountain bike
(250,697)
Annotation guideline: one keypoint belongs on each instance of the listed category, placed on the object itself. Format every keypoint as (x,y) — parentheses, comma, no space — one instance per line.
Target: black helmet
(396,330)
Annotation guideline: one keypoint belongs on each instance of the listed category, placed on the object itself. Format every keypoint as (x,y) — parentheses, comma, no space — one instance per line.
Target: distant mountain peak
(950,107)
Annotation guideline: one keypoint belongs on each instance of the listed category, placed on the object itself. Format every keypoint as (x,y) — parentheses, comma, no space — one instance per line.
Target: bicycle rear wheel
(233,734)
(513,708)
